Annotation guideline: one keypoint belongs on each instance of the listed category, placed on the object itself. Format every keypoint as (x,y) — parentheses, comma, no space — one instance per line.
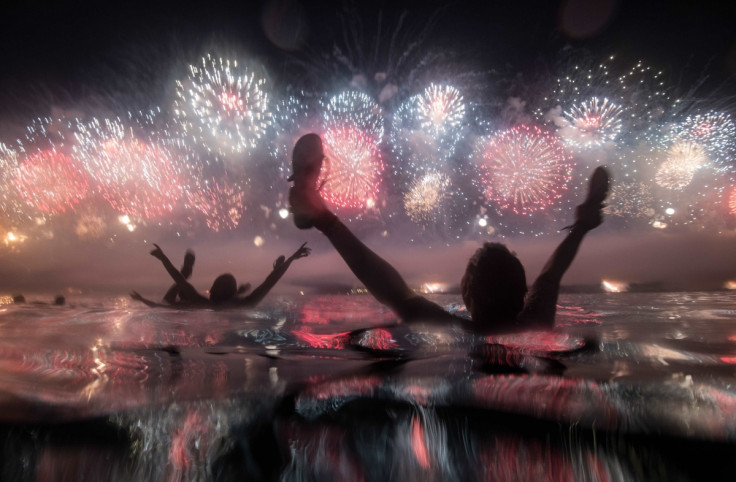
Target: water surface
(627,387)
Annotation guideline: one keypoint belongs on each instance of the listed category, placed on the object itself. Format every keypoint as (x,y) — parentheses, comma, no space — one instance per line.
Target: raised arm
(541,303)
(377,275)
(186,290)
(279,268)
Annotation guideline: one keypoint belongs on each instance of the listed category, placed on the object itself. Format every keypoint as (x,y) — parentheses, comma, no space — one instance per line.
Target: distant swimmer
(494,284)
(59,300)
(172,295)
(224,291)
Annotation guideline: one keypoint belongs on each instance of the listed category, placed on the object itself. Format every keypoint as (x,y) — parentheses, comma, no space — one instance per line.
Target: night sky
(59,55)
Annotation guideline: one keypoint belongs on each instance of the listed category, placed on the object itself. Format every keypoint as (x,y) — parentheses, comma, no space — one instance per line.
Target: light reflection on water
(292,391)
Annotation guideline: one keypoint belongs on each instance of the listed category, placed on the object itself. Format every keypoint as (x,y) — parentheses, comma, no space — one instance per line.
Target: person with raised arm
(494,284)
(224,291)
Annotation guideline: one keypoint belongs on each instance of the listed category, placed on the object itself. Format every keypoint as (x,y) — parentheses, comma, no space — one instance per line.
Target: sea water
(629,386)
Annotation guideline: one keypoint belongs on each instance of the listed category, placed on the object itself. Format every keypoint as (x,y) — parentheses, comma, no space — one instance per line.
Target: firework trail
(525,169)
(223,106)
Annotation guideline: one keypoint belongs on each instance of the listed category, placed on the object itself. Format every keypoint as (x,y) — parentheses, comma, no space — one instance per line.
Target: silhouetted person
(172,295)
(59,300)
(224,290)
(494,284)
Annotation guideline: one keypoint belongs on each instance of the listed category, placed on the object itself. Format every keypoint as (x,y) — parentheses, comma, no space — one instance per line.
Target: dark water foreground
(628,387)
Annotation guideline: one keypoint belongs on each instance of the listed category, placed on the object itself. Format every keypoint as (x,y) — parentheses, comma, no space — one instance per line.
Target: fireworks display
(9,196)
(427,129)
(51,182)
(223,105)
(424,200)
(593,123)
(715,132)
(220,203)
(431,151)
(526,168)
(630,200)
(355,166)
(137,178)
(440,109)
(354,110)
(683,160)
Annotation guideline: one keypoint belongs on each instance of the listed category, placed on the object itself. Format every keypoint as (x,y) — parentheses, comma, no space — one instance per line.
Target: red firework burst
(526,169)
(51,182)
(354,166)
(732,201)
(137,178)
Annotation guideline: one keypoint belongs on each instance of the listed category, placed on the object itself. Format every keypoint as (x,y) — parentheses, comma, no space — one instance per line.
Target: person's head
(224,288)
(19,299)
(494,284)
(59,300)
(307,156)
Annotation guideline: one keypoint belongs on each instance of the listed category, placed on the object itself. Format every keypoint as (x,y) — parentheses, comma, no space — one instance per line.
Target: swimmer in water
(59,300)
(224,291)
(494,284)
(172,295)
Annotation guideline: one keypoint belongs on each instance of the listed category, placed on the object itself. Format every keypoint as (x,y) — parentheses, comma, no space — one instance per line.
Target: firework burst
(427,129)
(732,201)
(137,178)
(292,118)
(440,109)
(223,105)
(638,96)
(683,160)
(221,203)
(10,201)
(525,168)
(630,200)
(716,132)
(353,176)
(51,181)
(354,110)
(592,123)
(424,200)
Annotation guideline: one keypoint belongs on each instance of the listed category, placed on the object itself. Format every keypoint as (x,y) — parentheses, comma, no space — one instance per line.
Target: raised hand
(302,252)
(158,252)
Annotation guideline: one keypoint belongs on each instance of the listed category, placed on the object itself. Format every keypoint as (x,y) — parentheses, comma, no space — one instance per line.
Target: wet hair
(59,300)
(224,288)
(494,284)
(19,299)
